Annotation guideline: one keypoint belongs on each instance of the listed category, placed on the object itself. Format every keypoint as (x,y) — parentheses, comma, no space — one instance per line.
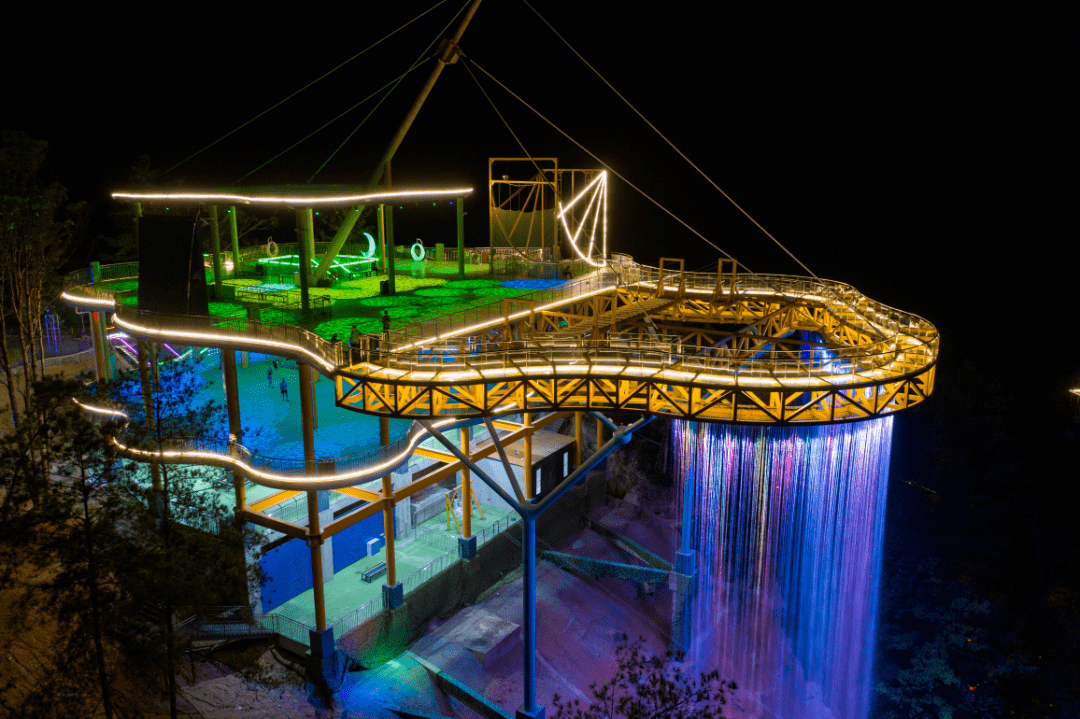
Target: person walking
(269,377)
(284,390)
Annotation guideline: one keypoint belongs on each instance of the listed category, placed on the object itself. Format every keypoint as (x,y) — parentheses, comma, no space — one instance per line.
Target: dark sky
(923,153)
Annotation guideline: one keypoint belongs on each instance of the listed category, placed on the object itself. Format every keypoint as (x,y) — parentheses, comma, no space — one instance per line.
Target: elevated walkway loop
(683,345)
(585,347)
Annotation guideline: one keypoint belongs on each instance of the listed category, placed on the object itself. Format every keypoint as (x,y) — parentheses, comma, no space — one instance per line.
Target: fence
(443,561)
(356,617)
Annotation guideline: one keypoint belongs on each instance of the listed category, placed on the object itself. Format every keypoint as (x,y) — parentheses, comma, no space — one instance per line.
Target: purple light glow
(787,530)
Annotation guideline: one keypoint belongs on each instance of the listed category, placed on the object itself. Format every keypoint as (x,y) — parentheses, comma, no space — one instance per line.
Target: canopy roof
(292,195)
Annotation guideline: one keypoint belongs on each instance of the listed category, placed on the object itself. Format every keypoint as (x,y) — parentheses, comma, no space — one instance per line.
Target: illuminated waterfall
(786,532)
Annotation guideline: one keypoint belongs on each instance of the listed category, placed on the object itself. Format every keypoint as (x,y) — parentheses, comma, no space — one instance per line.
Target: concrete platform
(487,636)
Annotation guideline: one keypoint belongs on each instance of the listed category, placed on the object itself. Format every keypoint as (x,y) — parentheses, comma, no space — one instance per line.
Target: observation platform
(767,349)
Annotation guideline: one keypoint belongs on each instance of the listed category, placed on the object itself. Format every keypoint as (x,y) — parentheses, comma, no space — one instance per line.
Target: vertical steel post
(234,237)
(315,542)
(108,358)
(388,507)
(529,489)
(388,222)
(99,347)
(380,220)
(460,213)
(342,234)
(314,532)
(215,249)
(528,618)
(304,229)
(466,487)
(232,401)
(577,439)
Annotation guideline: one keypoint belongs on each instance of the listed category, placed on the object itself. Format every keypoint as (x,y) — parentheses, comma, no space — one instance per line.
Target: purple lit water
(787,528)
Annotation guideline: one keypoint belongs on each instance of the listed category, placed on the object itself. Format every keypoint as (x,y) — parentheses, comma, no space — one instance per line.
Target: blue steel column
(530,709)
(685,561)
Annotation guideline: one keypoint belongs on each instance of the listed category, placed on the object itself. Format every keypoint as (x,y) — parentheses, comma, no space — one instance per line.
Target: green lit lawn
(358,302)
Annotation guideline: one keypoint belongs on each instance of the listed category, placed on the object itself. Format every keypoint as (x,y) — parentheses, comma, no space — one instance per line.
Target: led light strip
(285,481)
(500,320)
(599,194)
(217,338)
(285,200)
(96,301)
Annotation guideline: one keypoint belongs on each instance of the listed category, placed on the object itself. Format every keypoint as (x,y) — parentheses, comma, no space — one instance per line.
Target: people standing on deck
(284,390)
(270,377)
(354,344)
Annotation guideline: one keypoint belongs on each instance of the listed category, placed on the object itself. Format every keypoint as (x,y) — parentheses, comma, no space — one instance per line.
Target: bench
(369,575)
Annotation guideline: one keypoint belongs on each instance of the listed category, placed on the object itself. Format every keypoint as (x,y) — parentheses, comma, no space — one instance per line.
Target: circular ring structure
(271,247)
(371,246)
(418,246)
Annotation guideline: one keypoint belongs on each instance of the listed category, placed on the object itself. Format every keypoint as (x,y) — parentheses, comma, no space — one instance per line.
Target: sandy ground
(580,623)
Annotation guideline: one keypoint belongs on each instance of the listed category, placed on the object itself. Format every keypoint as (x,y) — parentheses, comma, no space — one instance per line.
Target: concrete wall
(388,633)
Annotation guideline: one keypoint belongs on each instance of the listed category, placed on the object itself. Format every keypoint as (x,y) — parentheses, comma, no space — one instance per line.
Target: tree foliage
(650,687)
(97,576)
(36,239)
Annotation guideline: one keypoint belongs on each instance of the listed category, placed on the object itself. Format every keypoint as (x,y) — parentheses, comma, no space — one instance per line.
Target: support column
(389,229)
(235,238)
(685,571)
(142,358)
(467,542)
(315,542)
(459,203)
(313,376)
(232,403)
(529,709)
(599,434)
(304,231)
(215,250)
(393,591)
(344,230)
(577,439)
(99,347)
(529,489)
(314,532)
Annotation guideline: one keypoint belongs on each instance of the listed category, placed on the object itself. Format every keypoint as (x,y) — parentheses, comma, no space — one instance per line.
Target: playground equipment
(451,508)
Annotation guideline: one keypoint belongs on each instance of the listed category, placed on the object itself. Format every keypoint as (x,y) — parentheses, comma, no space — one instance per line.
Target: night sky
(924,153)
(921,153)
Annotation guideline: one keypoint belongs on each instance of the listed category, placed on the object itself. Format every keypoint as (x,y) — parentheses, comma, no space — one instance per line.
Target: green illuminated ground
(358,302)
(346,590)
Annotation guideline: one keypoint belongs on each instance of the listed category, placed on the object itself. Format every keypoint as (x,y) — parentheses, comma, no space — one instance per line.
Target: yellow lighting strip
(285,200)
(285,481)
(77,300)
(601,194)
(500,320)
(217,338)
(272,479)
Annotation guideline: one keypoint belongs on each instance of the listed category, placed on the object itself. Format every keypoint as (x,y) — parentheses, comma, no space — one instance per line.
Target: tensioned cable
(415,64)
(343,114)
(516,139)
(324,76)
(678,219)
(672,145)
(605,165)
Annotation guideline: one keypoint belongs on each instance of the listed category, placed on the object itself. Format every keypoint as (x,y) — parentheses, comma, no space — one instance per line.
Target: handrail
(903,336)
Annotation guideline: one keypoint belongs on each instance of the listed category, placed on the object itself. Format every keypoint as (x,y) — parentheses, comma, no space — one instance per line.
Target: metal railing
(241,621)
(356,617)
(860,314)
(435,566)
